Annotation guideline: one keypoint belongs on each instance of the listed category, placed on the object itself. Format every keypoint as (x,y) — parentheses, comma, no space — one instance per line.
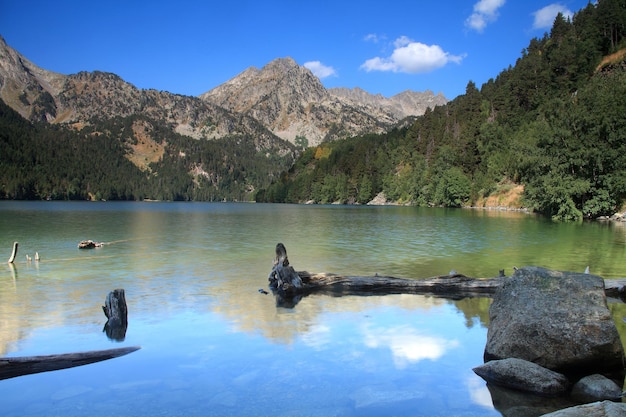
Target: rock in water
(596,388)
(599,409)
(523,376)
(559,320)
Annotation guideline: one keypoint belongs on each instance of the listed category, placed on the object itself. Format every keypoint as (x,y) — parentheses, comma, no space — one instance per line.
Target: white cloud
(485,11)
(411,57)
(371,37)
(544,18)
(320,70)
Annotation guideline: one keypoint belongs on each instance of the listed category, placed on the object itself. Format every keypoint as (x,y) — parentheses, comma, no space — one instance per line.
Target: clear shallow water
(213,345)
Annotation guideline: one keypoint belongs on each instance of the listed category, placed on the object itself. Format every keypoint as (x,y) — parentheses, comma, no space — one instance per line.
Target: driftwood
(116,312)
(89,244)
(283,278)
(26,365)
(451,286)
(615,288)
(290,286)
(13,253)
(448,286)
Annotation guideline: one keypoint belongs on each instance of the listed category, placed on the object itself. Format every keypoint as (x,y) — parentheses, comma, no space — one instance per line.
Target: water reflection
(519,404)
(408,345)
(213,344)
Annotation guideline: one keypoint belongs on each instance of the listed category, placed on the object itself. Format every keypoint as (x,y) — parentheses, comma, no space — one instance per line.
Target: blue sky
(191,46)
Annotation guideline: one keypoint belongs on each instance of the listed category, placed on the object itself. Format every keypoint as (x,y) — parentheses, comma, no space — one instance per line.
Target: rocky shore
(551,334)
(552,343)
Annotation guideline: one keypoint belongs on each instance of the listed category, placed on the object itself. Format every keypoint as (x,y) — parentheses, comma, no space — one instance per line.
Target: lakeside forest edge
(554,123)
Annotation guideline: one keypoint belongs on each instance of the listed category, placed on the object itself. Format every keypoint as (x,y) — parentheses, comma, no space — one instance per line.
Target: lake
(212,344)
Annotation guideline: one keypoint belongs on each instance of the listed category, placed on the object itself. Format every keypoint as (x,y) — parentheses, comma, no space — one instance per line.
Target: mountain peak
(292,102)
(284,63)
(277,94)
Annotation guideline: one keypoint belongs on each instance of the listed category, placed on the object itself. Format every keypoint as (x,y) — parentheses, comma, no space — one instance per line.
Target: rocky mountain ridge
(281,100)
(86,97)
(292,102)
(404,104)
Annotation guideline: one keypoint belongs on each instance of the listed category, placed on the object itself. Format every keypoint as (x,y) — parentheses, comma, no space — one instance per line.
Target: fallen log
(286,283)
(290,286)
(450,286)
(26,365)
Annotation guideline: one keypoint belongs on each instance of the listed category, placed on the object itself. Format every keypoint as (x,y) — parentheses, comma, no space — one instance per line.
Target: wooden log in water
(115,306)
(283,278)
(89,244)
(116,311)
(26,365)
(615,288)
(13,253)
(449,286)
(285,282)
(452,285)
(455,285)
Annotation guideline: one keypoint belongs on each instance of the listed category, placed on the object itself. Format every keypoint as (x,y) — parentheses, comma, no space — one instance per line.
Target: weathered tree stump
(283,278)
(116,311)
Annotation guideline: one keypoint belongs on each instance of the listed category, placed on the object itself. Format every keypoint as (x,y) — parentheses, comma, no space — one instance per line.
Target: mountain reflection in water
(212,344)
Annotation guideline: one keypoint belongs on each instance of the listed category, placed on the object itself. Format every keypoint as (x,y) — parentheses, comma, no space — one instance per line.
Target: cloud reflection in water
(407,344)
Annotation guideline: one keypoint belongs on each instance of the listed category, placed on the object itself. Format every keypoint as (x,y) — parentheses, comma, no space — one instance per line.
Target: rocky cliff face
(25,87)
(291,102)
(281,100)
(87,97)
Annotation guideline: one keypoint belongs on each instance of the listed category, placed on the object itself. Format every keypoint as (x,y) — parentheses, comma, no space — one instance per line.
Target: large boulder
(559,320)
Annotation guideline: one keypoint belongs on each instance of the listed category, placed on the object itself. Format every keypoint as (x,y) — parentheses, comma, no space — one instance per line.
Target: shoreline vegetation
(545,134)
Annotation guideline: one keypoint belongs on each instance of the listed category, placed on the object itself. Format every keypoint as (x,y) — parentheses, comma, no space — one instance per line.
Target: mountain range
(282,100)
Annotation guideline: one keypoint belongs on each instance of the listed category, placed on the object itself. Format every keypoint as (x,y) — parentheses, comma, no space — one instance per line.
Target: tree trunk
(449,286)
(26,365)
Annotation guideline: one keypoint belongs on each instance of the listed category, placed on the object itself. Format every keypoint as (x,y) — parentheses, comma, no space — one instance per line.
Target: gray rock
(559,320)
(524,376)
(597,409)
(595,388)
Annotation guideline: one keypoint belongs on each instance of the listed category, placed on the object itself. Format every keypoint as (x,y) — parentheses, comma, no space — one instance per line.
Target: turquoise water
(213,345)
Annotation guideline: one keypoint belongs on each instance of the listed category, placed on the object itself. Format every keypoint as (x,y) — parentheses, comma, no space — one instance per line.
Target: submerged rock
(559,320)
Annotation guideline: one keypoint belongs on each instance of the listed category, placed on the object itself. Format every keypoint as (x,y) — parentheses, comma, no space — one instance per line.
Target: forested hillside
(554,123)
(55,162)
